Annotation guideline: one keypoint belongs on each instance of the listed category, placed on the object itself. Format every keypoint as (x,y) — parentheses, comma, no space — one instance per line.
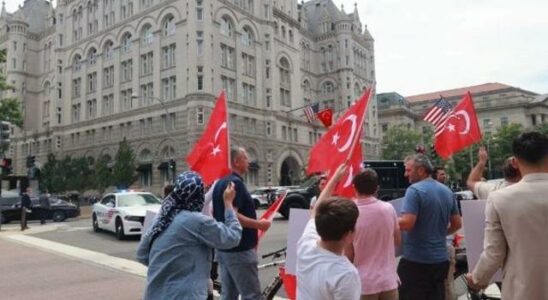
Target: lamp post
(488,126)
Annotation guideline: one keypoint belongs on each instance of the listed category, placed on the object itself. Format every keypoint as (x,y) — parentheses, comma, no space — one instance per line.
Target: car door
(109,206)
(101,211)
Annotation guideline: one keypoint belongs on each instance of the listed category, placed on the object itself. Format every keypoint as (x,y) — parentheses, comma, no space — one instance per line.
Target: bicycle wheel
(272,289)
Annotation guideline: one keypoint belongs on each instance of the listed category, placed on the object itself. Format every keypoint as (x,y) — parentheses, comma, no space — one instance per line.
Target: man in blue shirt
(428,208)
(239,273)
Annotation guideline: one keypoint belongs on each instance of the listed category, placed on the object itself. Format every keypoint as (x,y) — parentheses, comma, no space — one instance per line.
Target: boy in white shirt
(323,272)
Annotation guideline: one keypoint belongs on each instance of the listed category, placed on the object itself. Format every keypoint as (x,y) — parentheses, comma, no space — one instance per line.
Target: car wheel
(59,216)
(3,219)
(95,223)
(293,204)
(120,230)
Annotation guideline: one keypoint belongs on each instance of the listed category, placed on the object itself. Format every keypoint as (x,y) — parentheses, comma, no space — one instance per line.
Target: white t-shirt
(321,274)
(482,189)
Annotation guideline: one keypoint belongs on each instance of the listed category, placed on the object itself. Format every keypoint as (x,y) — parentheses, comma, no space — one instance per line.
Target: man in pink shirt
(375,238)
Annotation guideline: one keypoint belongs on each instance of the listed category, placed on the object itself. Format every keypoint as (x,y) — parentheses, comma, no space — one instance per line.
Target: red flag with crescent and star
(339,144)
(326,117)
(210,155)
(461,129)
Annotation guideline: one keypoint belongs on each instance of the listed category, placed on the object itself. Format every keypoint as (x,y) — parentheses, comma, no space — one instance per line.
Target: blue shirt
(243,203)
(179,261)
(433,203)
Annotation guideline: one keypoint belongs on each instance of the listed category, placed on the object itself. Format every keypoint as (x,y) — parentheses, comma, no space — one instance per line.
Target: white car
(123,213)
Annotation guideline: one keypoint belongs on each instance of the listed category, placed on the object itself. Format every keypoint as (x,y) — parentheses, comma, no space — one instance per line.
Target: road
(79,233)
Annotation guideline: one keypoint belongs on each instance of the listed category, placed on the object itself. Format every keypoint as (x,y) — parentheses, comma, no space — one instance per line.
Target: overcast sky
(425,46)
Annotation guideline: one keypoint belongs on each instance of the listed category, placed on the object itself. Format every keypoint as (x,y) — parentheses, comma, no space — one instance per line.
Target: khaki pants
(386,295)
(450,280)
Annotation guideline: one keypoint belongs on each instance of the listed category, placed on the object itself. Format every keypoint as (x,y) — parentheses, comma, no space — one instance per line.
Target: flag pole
(370,92)
(227,130)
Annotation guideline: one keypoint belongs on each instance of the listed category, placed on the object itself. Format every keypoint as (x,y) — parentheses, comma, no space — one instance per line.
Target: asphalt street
(79,233)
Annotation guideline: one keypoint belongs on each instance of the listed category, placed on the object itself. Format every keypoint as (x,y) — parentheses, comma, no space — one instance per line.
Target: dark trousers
(422,281)
(43,215)
(23,218)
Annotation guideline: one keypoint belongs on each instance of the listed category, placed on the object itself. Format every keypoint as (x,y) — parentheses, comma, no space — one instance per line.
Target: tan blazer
(516,239)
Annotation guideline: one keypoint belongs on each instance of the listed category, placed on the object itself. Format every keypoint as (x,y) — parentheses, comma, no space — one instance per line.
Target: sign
(298,218)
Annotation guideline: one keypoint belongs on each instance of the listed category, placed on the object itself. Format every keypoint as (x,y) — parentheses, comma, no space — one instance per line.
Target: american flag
(311,112)
(438,115)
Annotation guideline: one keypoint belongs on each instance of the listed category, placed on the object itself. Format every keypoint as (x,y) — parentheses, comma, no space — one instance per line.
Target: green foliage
(542,128)
(103,174)
(49,177)
(399,142)
(123,171)
(500,144)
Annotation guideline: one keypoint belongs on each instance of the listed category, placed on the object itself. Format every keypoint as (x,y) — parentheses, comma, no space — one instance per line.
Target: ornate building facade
(90,73)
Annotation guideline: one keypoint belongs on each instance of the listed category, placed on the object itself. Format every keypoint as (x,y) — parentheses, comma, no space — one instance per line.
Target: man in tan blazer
(516,224)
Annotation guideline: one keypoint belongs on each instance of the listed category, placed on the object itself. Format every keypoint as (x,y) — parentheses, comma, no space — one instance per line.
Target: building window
(248,91)
(147,63)
(200,42)
(76,63)
(169,88)
(146,93)
(248,65)
(199,10)
(226,26)
(227,57)
(200,116)
(268,129)
(126,43)
(91,109)
(92,82)
(285,82)
(146,35)
(247,37)
(76,87)
(228,86)
(109,50)
(504,121)
(126,100)
(108,105)
(169,26)
(168,56)
(108,77)
(127,70)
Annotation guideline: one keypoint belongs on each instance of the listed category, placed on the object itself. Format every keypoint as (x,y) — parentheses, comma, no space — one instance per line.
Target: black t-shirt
(243,203)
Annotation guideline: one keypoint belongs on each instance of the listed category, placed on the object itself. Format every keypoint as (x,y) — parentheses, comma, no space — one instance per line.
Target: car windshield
(309,182)
(137,200)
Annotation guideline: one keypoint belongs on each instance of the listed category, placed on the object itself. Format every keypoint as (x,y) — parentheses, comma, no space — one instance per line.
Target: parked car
(59,211)
(123,212)
(264,196)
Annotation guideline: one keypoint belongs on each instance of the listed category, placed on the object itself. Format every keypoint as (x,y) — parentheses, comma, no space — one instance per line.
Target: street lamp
(135,96)
(488,126)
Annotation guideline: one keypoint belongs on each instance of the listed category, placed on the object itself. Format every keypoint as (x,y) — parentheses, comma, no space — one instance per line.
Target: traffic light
(31,160)
(5,163)
(5,133)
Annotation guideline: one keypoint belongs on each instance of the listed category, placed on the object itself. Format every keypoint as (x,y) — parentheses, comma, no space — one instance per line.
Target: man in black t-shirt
(239,273)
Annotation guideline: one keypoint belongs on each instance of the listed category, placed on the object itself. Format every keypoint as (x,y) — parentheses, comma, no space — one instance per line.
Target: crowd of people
(349,249)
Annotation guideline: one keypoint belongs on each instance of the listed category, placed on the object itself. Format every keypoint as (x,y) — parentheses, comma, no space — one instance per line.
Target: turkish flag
(271,212)
(326,117)
(460,130)
(341,143)
(210,156)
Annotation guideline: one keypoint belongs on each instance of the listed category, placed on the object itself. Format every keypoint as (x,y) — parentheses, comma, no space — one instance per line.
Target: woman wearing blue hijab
(177,247)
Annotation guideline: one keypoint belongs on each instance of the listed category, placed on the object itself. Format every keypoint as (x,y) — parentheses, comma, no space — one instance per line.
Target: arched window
(92,56)
(76,63)
(306,86)
(108,50)
(126,42)
(327,88)
(168,27)
(226,26)
(247,37)
(146,35)
(285,81)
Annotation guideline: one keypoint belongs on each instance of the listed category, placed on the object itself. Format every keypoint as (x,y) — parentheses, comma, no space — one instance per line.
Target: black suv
(392,183)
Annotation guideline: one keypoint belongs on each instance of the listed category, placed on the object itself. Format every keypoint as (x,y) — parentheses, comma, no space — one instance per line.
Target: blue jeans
(239,275)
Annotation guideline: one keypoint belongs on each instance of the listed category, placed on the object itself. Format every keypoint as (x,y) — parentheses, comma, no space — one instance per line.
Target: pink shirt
(374,250)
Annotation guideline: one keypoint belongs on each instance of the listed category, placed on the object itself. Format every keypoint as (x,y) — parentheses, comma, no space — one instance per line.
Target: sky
(424,46)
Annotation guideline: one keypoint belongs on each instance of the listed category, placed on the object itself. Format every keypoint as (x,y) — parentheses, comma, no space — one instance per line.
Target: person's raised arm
(477,172)
(328,190)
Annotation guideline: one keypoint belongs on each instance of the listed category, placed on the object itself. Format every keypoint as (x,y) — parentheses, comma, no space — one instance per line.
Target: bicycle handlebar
(277,253)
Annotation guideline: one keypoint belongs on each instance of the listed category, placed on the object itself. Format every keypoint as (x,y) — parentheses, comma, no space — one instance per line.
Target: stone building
(92,72)
(496,104)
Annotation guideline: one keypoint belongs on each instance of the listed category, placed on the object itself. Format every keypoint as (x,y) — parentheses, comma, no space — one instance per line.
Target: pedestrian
(428,208)
(515,226)
(321,187)
(177,247)
(480,187)
(323,271)
(44,207)
(439,175)
(239,272)
(168,188)
(26,206)
(377,221)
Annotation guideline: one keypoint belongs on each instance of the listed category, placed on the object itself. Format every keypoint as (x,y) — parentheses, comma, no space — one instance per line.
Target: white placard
(398,204)
(473,215)
(149,219)
(297,222)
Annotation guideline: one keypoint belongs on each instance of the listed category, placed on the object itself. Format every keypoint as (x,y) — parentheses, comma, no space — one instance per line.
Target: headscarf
(188,194)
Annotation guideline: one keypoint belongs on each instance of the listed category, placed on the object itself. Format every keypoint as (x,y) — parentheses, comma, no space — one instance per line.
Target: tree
(123,171)
(10,109)
(50,179)
(102,174)
(500,144)
(399,142)
(542,128)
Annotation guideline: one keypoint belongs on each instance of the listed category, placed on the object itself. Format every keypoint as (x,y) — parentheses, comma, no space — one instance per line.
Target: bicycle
(271,289)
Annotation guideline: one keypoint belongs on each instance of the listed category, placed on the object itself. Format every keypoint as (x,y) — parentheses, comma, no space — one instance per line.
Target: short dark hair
(509,171)
(436,169)
(366,182)
(531,147)
(335,217)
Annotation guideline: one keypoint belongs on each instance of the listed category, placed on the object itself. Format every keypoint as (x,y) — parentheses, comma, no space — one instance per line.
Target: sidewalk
(31,273)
